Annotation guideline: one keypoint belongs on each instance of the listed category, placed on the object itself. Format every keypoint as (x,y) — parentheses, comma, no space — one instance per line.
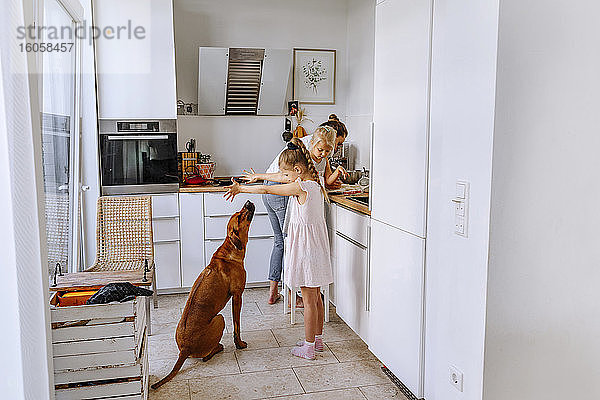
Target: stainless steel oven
(138,156)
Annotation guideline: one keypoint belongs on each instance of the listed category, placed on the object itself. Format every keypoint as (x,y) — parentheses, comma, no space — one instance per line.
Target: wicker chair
(124,236)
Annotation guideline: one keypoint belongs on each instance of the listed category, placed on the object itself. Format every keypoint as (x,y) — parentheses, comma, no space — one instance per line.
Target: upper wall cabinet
(243,81)
(400,130)
(135,59)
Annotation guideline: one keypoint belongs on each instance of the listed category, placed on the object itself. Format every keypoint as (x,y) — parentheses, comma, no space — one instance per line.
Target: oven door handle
(138,137)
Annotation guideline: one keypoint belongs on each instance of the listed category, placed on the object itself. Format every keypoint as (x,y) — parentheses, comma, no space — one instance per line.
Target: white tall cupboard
(399,187)
(136,72)
(396,316)
(402,53)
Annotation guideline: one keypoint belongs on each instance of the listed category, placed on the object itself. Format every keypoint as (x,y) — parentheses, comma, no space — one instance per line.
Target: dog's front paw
(240,344)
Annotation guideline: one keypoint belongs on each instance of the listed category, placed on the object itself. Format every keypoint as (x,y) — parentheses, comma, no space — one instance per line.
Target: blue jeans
(276,207)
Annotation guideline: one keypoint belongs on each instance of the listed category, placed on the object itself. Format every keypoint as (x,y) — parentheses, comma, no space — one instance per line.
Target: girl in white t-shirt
(319,145)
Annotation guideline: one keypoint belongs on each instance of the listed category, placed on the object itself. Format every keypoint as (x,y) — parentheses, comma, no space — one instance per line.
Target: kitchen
(448,279)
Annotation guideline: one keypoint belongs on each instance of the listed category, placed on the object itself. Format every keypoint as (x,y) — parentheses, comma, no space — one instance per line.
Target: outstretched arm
(286,189)
(251,177)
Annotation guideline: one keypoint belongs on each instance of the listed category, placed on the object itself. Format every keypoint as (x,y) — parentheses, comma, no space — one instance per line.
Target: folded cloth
(121,292)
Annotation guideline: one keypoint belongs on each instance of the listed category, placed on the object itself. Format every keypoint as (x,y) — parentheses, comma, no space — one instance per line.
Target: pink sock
(307,350)
(318,343)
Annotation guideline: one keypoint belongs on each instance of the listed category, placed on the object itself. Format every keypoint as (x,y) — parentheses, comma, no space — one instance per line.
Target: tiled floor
(266,369)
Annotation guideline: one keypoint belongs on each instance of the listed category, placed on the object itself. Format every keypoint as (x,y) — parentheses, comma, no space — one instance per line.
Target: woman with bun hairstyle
(319,145)
(340,137)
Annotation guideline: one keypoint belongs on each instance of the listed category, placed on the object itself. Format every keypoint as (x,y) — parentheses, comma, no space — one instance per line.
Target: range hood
(243,81)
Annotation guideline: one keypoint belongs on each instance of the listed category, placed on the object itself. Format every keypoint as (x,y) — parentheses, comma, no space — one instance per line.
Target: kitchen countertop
(340,199)
(343,201)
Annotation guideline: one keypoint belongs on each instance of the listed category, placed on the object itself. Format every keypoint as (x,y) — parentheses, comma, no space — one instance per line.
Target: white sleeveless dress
(307,254)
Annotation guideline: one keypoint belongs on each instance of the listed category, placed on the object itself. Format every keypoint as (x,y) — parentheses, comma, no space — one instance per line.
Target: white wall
(462,118)
(543,310)
(359,90)
(258,23)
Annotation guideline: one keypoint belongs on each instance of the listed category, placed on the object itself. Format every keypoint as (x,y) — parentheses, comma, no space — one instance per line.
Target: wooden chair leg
(148,319)
(154,294)
(326,295)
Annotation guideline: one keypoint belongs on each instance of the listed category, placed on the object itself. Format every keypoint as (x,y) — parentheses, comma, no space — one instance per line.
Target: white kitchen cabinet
(256,262)
(165,234)
(192,236)
(352,284)
(166,260)
(136,73)
(396,316)
(401,108)
(217,212)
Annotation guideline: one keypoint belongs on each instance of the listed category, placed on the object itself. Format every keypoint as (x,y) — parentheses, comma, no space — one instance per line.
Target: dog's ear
(235,239)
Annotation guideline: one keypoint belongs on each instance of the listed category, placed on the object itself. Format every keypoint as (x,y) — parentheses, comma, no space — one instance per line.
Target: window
(60,136)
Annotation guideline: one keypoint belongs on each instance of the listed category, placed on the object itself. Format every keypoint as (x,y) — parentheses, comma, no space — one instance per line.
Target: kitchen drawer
(216,227)
(166,260)
(165,229)
(165,205)
(215,204)
(256,262)
(353,225)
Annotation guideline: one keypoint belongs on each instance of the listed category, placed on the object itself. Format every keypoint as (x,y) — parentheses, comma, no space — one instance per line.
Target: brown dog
(201,326)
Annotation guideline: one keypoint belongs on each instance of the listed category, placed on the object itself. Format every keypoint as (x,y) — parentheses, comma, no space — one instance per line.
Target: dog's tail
(182,357)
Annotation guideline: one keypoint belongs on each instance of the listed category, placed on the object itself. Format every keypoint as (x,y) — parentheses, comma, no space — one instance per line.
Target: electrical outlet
(461,208)
(456,378)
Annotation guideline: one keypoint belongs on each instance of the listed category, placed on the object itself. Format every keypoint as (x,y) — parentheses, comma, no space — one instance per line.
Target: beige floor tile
(267,308)
(382,392)
(165,315)
(263,322)
(221,364)
(340,394)
(277,358)
(162,347)
(172,300)
(256,295)
(164,329)
(256,385)
(174,390)
(338,376)
(351,350)
(255,339)
(248,308)
(332,332)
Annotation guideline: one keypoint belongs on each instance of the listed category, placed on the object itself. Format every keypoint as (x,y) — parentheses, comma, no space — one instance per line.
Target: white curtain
(25,370)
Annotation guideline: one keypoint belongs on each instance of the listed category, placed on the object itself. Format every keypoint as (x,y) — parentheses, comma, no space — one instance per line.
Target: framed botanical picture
(314,76)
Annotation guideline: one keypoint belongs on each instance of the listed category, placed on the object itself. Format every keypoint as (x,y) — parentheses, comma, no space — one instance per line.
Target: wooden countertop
(202,189)
(343,201)
(337,198)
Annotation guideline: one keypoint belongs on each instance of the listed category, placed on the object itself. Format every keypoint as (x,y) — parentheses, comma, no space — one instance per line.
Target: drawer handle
(354,242)
(229,215)
(249,238)
(165,217)
(166,241)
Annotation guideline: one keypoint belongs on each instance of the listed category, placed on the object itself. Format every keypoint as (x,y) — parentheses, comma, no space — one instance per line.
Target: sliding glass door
(61,138)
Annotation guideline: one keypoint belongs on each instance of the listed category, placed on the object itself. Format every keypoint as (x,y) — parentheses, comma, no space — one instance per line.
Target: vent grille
(243,81)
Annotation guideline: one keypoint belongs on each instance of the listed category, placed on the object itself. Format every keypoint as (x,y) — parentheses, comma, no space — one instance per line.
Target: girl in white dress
(307,250)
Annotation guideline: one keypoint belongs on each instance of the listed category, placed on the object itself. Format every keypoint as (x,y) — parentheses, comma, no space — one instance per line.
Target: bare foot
(274,298)
(299,302)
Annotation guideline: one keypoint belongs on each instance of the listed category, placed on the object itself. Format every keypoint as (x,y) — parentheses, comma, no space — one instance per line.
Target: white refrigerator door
(402,53)
(396,316)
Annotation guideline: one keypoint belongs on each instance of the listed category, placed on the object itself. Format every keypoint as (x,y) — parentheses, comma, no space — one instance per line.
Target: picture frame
(314,73)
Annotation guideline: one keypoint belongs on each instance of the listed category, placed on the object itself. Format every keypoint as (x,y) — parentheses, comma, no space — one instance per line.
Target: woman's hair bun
(333,117)
(292,146)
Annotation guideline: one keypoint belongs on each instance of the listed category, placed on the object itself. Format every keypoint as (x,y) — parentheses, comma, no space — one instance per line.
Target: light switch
(461,190)
(461,208)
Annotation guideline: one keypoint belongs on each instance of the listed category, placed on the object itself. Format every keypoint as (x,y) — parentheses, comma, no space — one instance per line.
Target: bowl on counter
(353,177)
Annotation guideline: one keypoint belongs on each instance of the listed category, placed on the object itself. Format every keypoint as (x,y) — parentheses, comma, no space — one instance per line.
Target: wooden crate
(100,350)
